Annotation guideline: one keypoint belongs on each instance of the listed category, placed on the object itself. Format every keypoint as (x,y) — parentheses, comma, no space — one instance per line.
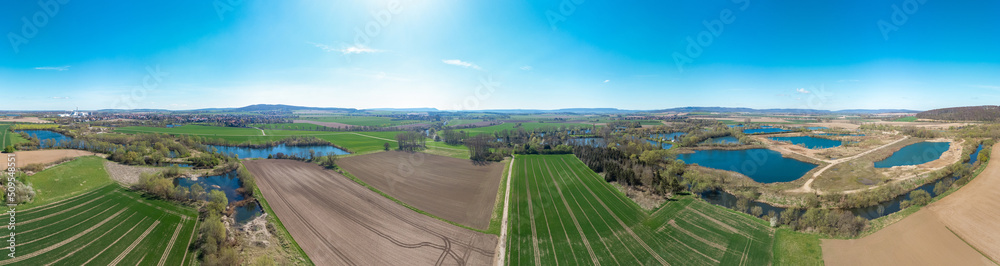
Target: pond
(722,140)
(227,183)
(44,135)
(816,128)
(663,145)
(300,151)
(764,130)
(840,134)
(810,142)
(675,137)
(975,155)
(914,154)
(593,142)
(761,165)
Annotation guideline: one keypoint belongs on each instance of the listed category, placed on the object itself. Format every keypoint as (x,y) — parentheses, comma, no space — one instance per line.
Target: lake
(839,135)
(300,151)
(43,135)
(764,130)
(227,183)
(816,128)
(975,155)
(810,142)
(722,140)
(664,145)
(914,154)
(675,137)
(761,165)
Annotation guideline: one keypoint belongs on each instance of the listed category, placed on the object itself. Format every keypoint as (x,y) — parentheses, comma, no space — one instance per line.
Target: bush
(920,197)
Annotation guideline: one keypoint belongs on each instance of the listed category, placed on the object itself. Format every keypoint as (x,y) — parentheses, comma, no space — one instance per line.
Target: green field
(526,126)
(459,122)
(375,121)
(355,142)
(8,137)
(906,119)
(562,211)
(794,248)
(100,225)
(67,180)
(194,130)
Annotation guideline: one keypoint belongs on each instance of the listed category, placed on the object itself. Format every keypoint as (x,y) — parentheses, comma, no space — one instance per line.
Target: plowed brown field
(454,189)
(339,222)
(24,158)
(957,230)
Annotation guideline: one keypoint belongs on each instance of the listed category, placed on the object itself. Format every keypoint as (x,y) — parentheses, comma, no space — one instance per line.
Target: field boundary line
(573,216)
(613,215)
(116,241)
(565,233)
(67,218)
(193,231)
(674,224)
(170,245)
(60,202)
(531,217)
(134,243)
(502,242)
(692,249)
(61,243)
(98,237)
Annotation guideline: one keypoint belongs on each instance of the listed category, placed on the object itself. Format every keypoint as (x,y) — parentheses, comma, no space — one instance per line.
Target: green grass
(906,119)
(526,126)
(194,130)
(67,180)
(496,219)
(8,137)
(459,122)
(375,121)
(572,207)
(98,225)
(794,248)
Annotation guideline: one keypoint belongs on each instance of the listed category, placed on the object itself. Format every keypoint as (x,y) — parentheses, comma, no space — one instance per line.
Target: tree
(197,192)
(217,201)
(8,149)
(920,197)
(386,146)
(757,211)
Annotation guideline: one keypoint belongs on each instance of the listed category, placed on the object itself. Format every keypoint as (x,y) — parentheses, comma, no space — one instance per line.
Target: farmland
(194,130)
(561,212)
(9,138)
(453,189)
(338,221)
(526,126)
(374,121)
(80,218)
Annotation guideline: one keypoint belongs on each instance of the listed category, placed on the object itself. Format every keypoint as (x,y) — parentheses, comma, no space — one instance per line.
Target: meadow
(374,121)
(562,211)
(80,217)
(527,126)
(7,137)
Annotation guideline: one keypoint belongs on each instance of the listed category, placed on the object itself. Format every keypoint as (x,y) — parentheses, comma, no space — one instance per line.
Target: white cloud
(802,90)
(848,80)
(456,62)
(57,97)
(62,68)
(607,80)
(355,49)
(527,68)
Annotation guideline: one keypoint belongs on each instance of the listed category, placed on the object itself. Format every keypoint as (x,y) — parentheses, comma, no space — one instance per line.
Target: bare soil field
(26,120)
(339,222)
(845,124)
(126,174)
(325,124)
(932,125)
(454,189)
(957,230)
(25,158)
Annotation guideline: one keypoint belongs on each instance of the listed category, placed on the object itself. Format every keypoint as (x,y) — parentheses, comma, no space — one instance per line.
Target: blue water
(723,140)
(593,142)
(300,151)
(664,145)
(675,136)
(761,165)
(816,128)
(839,135)
(914,154)
(43,135)
(975,155)
(227,183)
(764,130)
(810,142)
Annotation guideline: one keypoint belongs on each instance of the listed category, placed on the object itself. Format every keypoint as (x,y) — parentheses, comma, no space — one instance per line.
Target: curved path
(807,187)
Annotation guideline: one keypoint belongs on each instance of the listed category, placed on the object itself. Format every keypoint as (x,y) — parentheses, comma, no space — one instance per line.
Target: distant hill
(282,107)
(781,111)
(425,109)
(968,113)
(565,110)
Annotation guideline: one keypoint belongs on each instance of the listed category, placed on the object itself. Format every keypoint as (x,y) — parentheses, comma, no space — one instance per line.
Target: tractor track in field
(565,233)
(67,228)
(190,240)
(61,243)
(62,211)
(531,218)
(592,226)
(116,241)
(98,237)
(134,243)
(58,203)
(63,219)
(572,216)
(546,218)
(613,215)
(170,245)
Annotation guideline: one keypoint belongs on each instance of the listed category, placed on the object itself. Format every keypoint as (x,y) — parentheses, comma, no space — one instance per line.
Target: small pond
(914,154)
(227,183)
(764,130)
(761,165)
(810,142)
(675,137)
(816,128)
(663,145)
(300,151)
(975,155)
(44,135)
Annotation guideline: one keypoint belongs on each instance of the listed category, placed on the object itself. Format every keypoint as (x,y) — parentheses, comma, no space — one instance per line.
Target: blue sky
(185,54)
